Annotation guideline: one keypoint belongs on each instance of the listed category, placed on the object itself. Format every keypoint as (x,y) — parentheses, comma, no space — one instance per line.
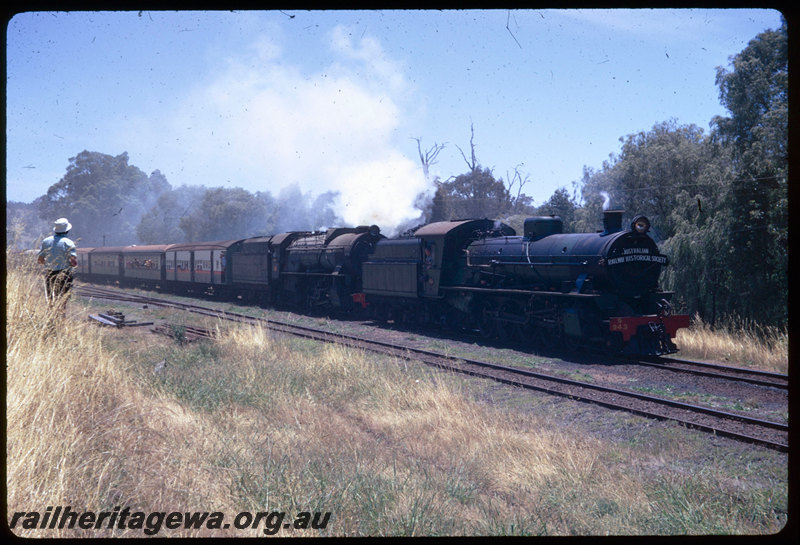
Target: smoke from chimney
(606,200)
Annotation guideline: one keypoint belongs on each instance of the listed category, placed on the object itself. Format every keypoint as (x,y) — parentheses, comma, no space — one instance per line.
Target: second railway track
(758,431)
(739,374)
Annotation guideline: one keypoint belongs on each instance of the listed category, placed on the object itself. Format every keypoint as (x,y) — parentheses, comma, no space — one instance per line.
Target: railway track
(715,370)
(736,426)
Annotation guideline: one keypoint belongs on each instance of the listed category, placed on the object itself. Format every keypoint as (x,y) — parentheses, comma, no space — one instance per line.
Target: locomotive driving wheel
(545,331)
(486,317)
(510,320)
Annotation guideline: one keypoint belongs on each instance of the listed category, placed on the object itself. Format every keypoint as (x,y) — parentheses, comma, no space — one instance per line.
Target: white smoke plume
(263,125)
(606,200)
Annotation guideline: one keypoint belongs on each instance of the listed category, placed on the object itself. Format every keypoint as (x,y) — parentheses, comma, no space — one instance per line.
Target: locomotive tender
(552,288)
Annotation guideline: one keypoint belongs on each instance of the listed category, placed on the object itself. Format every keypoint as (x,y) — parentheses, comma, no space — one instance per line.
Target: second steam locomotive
(551,288)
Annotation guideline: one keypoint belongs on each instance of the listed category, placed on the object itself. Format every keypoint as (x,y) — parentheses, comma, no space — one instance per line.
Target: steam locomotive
(548,287)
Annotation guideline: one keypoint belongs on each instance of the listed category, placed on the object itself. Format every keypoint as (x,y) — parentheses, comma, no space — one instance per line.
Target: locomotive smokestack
(612,221)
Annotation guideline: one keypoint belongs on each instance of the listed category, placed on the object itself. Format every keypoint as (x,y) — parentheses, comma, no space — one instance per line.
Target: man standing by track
(59,256)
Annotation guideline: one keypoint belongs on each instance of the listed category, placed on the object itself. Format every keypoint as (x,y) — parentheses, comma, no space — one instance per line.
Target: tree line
(718,201)
(113,203)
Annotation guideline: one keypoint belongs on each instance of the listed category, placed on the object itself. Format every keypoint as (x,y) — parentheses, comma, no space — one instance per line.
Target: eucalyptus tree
(755,92)
(103,196)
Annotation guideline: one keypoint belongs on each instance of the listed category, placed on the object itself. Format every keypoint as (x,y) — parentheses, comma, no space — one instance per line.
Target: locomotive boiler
(585,288)
(324,268)
(553,288)
(623,262)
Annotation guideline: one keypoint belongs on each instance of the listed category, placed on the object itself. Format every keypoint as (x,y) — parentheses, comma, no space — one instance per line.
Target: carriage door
(202,266)
(170,266)
(218,259)
(183,266)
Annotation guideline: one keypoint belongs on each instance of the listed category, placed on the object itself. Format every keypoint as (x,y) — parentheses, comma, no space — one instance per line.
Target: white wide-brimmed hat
(61,225)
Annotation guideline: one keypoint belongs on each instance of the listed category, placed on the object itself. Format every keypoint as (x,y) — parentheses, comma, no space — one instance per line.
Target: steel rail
(738,374)
(456,364)
(721,367)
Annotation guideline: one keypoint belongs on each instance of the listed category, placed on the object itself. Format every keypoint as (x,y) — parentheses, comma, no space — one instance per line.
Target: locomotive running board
(520,292)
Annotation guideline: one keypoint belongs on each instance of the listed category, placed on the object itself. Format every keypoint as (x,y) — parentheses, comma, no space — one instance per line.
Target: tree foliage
(103,197)
(24,228)
(699,222)
(476,194)
(294,210)
(162,223)
(562,205)
(719,202)
(756,93)
(649,173)
(197,213)
(225,214)
(111,203)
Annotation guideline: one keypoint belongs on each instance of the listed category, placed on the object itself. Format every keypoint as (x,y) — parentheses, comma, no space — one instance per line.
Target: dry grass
(738,343)
(252,422)
(81,434)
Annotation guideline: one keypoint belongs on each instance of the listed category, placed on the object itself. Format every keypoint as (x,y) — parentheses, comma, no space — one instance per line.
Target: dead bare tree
(518,180)
(429,157)
(473,164)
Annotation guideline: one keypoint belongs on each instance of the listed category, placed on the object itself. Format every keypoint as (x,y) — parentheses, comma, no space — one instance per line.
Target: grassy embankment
(253,422)
(737,343)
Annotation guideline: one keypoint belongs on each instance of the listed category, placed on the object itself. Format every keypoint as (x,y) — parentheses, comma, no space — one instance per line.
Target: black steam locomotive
(592,289)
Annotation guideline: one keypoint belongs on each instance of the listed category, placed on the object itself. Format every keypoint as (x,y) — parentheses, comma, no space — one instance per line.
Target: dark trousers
(57,285)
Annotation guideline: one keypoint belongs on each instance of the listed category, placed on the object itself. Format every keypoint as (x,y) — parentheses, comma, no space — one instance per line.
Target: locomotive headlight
(640,225)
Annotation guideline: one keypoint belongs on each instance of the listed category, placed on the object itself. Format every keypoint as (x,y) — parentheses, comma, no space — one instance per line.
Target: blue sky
(332,100)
